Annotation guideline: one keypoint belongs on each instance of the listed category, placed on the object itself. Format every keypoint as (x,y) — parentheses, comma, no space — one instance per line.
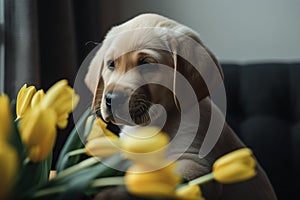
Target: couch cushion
(264,109)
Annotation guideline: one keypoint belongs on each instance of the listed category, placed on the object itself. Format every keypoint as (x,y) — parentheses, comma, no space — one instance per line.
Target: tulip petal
(147,173)
(42,150)
(191,192)
(145,140)
(24,99)
(156,189)
(5,116)
(158,183)
(62,121)
(8,168)
(99,129)
(240,154)
(54,92)
(233,173)
(147,145)
(36,125)
(37,98)
(102,146)
(62,99)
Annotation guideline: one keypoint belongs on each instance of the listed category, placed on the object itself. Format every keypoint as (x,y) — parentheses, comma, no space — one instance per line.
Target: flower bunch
(27,142)
(151,175)
(41,113)
(93,158)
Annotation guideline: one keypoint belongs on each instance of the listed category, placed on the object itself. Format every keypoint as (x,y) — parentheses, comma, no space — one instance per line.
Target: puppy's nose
(115,99)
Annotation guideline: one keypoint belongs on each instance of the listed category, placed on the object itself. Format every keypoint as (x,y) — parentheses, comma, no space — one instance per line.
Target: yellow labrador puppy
(154,71)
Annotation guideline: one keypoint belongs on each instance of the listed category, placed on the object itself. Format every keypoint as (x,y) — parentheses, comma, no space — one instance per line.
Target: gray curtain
(46,41)
(21,45)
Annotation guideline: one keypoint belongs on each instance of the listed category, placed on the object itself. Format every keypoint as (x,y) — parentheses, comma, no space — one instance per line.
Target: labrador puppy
(154,71)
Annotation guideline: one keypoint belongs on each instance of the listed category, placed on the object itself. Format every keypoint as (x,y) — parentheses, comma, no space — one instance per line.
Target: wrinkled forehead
(121,43)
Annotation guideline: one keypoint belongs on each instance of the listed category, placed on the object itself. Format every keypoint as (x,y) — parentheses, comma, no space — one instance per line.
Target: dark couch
(263,107)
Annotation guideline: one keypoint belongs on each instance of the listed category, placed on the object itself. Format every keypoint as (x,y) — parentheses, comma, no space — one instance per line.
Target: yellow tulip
(62,121)
(8,169)
(55,92)
(145,140)
(190,192)
(147,145)
(36,125)
(236,166)
(61,98)
(158,183)
(37,98)
(5,116)
(102,146)
(42,150)
(24,99)
(98,129)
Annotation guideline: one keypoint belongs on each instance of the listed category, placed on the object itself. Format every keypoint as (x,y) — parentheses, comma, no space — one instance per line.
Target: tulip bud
(62,99)
(24,99)
(102,146)
(191,192)
(36,125)
(147,145)
(54,93)
(236,166)
(158,183)
(98,129)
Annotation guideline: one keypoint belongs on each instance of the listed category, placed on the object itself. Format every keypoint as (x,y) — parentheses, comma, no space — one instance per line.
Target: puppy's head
(131,70)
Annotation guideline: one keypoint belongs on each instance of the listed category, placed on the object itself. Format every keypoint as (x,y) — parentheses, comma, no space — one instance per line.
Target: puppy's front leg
(190,170)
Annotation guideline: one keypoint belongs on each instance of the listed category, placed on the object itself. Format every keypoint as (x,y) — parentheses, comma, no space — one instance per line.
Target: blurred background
(39,38)
(42,42)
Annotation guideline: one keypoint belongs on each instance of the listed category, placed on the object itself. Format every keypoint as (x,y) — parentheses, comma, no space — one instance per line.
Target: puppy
(154,71)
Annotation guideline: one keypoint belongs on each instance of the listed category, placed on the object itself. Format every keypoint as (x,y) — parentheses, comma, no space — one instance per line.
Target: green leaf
(73,142)
(32,176)
(77,184)
(16,141)
(81,183)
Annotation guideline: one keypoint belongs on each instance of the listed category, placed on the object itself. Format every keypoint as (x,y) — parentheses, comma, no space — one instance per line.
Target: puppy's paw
(190,169)
(116,193)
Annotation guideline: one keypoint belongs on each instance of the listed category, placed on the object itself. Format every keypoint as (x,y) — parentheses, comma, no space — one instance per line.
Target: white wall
(235,30)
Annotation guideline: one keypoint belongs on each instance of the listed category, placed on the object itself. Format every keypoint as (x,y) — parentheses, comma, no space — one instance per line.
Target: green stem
(110,181)
(101,182)
(202,179)
(76,152)
(82,165)
(49,191)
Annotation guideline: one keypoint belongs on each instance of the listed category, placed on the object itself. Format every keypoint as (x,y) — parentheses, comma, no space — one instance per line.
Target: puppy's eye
(143,62)
(146,60)
(111,65)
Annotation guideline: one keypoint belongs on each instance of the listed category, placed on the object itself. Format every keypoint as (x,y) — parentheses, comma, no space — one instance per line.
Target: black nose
(115,99)
(108,98)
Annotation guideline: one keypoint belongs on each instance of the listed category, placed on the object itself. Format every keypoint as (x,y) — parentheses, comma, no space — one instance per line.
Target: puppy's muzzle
(123,108)
(115,100)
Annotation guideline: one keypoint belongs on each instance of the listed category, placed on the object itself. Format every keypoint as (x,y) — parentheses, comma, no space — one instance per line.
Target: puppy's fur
(150,40)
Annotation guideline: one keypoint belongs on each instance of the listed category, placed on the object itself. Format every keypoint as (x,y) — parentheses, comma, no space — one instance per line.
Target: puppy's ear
(93,78)
(195,62)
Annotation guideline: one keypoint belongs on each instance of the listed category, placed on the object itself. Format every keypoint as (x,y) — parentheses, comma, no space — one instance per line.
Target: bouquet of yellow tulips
(93,158)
